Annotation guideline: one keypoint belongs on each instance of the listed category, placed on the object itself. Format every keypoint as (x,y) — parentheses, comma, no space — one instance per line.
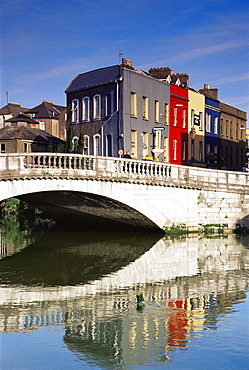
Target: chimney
(208,92)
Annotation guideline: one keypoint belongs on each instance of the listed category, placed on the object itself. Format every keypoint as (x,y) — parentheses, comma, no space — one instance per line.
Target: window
(25,147)
(237,131)
(174,149)
(75,141)
(215,149)
(184,118)
(109,145)
(96,107)
(108,105)
(75,111)
(231,130)
(226,127)
(96,145)
(86,145)
(145,108)
(145,144)
(85,108)
(166,113)
(208,148)
(157,111)
(183,150)
(208,122)
(134,144)
(175,116)
(42,125)
(3,148)
(216,125)
(221,126)
(133,104)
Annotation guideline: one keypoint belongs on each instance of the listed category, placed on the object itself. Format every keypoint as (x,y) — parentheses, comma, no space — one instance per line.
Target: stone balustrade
(120,169)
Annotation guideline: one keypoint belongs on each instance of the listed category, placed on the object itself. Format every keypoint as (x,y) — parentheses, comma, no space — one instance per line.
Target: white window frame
(85,108)
(175,115)
(216,125)
(208,122)
(42,125)
(184,118)
(96,150)
(75,111)
(96,106)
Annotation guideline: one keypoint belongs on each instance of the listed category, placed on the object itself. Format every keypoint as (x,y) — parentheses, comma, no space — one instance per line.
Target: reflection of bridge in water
(165,261)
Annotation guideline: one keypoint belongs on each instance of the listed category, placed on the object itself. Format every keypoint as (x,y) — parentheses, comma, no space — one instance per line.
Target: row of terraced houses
(153,115)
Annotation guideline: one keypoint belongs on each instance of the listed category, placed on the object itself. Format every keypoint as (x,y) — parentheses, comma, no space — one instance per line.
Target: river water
(68,301)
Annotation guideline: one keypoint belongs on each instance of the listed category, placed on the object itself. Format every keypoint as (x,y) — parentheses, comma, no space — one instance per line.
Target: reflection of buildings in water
(186,285)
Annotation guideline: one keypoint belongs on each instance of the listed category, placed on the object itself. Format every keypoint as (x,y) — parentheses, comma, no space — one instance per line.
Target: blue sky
(45,44)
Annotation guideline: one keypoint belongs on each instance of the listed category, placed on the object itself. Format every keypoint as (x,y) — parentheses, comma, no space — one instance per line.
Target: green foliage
(61,148)
(80,146)
(69,142)
(50,148)
(10,207)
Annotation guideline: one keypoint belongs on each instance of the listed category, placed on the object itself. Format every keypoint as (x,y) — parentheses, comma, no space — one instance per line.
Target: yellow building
(196,129)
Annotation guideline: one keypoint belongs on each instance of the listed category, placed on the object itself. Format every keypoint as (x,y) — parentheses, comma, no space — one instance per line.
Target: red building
(178,121)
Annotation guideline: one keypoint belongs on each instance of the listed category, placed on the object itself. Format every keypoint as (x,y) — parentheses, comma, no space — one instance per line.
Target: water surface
(68,300)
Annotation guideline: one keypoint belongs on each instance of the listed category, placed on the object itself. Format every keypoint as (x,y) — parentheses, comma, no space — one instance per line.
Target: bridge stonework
(149,195)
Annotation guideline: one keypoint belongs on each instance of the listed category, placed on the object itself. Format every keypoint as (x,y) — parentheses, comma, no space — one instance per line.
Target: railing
(82,166)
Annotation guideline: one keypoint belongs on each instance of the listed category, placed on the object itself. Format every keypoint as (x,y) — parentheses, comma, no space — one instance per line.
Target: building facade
(119,109)
(233,146)
(178,131)
(51,118)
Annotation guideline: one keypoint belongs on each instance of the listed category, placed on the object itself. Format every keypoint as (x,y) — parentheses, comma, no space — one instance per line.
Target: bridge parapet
(30,165)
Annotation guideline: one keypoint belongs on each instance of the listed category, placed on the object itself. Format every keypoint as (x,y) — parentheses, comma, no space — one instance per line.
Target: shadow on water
(69,258)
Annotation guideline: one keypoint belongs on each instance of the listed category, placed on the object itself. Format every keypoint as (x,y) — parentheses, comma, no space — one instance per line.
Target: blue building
(212,126)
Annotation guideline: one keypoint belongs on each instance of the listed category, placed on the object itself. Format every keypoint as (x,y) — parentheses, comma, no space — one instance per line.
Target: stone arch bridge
(105,192)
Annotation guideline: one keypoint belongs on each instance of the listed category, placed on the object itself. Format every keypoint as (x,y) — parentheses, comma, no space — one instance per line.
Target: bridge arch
(88,202)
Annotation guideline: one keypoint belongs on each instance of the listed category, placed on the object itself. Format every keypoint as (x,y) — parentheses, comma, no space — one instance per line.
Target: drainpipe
(116,111)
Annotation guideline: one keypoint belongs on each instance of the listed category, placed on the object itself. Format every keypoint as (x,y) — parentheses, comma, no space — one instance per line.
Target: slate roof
(22,118)
(46,110)
(13,109)
(94,78)
(27,133)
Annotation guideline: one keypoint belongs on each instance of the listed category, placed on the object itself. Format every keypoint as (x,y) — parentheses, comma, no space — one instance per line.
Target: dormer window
(178,82)
(168,80)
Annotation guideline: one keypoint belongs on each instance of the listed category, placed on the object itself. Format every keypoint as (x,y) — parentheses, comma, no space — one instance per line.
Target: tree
(69,142)
(80,146)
